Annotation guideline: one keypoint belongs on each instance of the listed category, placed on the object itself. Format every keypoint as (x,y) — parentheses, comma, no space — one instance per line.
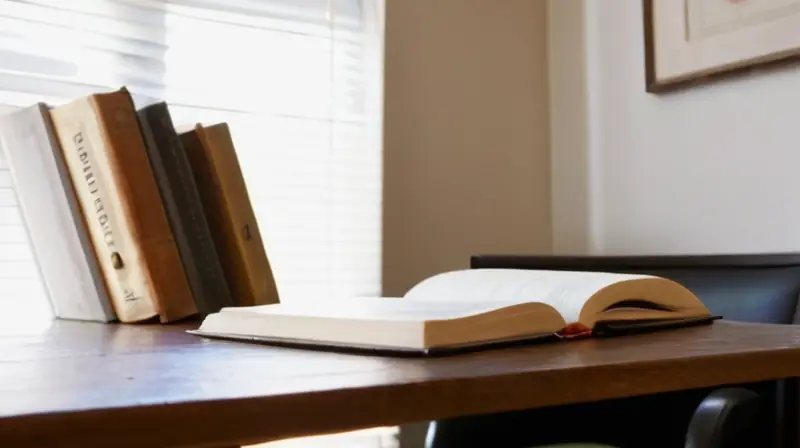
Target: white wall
(709,169)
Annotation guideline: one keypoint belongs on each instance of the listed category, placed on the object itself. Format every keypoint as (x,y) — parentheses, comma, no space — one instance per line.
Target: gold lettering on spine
(100,213)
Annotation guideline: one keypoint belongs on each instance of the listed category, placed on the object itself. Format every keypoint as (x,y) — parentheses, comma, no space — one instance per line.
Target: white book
(470,308)
(52,217)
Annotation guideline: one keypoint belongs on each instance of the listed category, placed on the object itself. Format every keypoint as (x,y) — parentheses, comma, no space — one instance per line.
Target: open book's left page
(372,308)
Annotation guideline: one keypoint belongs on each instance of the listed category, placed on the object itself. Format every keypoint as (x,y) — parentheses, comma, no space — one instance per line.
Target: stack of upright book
(128,218)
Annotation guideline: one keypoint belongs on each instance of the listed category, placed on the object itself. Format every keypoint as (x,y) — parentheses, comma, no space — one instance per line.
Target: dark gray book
(184,208)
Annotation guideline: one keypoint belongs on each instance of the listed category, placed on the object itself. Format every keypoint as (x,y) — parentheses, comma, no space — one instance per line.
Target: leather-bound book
(110,170)
(230,214)
(184,209)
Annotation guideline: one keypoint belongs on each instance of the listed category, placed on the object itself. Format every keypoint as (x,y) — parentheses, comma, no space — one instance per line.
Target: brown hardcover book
(111,173)
(184,209)
(230,214)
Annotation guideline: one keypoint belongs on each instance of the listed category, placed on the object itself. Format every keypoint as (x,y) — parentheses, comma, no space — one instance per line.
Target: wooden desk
(83,385)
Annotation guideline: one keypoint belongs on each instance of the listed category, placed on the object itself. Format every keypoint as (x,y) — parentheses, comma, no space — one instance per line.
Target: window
(298,81)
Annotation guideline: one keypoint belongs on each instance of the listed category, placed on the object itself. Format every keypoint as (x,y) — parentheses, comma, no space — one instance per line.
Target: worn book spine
(53,218)
(108,163)
(184,209)
(230,214)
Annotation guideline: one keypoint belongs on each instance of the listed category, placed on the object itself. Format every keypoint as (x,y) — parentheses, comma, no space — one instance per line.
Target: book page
(565,291)
(372,308)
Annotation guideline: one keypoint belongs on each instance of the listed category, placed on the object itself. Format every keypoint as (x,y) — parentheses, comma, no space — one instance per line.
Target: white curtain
(299,82)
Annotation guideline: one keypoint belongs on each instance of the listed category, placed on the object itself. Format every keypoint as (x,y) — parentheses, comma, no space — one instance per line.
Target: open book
(468,308)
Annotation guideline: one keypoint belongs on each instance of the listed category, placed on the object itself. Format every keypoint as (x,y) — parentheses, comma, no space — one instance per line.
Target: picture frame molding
(745,68)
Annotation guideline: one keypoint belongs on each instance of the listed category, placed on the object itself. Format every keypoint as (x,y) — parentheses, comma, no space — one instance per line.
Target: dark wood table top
(82,384)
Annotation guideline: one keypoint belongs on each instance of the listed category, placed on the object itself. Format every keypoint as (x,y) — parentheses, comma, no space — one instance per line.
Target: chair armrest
(723,419)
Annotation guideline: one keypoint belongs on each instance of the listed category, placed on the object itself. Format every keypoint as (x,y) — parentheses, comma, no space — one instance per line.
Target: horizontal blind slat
(14,269)
(138,12)
(7,197)
(16,252)
(146,34)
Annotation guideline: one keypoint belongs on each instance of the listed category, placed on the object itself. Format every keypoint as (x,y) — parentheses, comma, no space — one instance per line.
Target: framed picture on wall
(690,41)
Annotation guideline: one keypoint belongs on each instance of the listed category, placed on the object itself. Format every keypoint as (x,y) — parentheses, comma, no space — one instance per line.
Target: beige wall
(466,165)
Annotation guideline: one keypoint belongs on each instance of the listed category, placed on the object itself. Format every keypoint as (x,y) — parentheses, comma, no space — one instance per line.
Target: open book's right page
(567,292)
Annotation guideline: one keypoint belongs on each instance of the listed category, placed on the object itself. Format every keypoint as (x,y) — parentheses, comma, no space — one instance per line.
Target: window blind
(298,81)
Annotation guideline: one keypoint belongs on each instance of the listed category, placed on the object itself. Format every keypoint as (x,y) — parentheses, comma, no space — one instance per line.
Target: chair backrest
(748,288)
(751,288)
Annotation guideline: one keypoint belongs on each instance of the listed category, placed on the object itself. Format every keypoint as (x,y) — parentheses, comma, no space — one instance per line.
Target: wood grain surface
(85,384)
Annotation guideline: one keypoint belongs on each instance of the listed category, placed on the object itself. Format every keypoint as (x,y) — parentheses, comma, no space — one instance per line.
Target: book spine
(52,217)
(259,273)
(184,209)
(231,216)
(141,203)
(96,188)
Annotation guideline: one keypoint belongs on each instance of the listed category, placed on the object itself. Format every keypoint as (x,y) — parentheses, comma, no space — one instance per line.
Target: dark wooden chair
(749,288)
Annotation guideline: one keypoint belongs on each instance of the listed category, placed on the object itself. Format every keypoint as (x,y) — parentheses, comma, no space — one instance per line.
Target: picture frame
(689,42)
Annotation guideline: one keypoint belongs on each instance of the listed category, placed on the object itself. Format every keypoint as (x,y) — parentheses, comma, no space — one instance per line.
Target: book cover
(53,218)
(230,214)
(184,209)
(108,164)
